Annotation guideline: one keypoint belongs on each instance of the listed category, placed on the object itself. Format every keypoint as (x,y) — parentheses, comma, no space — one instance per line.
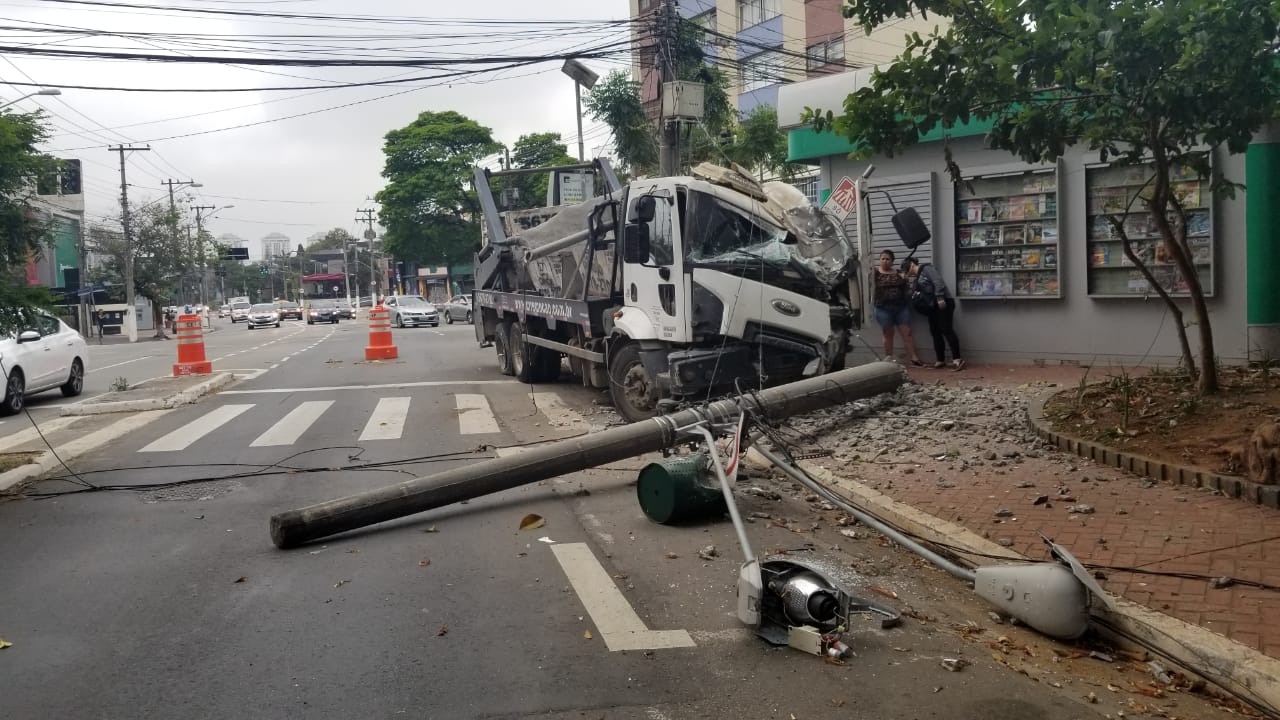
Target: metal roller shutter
(908,191)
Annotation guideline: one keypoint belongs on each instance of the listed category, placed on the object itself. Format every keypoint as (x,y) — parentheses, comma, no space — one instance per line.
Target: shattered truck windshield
(718,233)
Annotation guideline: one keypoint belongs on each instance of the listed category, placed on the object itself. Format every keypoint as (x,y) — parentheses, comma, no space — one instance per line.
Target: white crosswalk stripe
(182,438)
(387,420)
(289,428)
(474,415)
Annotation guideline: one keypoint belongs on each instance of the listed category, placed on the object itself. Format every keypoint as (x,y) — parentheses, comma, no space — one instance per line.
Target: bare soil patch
(1161,416)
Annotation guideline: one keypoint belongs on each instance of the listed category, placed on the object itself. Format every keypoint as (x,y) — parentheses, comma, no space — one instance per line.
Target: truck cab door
(654,282)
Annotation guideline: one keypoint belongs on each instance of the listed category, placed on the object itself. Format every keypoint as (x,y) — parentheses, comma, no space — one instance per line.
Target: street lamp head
(49,91)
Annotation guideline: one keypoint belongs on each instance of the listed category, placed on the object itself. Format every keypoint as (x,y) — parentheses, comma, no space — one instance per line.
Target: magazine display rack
(1116,192)
(1007,236)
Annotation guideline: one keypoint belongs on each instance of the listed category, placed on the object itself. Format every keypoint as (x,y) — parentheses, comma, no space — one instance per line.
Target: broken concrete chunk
(709,553)
(1081,509)
(1003,513)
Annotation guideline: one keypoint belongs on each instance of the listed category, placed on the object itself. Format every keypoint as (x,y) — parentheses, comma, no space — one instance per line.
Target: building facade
(1036,269)
(275,245)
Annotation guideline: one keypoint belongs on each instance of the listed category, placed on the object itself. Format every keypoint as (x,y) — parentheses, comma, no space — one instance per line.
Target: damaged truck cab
(668,288)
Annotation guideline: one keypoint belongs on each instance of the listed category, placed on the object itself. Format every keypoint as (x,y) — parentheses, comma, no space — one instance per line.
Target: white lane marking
(126,362)
(273,367)
(474,415)
(30,435)
(112,432)
(618,623)
(290,427)
(387,420)
(327,388)
(553,408)
(181,438)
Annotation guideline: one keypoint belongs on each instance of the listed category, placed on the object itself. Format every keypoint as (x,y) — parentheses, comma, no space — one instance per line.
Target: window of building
(1116,192)
(761,70)
(825,53)
(1007,236)
(706,20)
(754,12)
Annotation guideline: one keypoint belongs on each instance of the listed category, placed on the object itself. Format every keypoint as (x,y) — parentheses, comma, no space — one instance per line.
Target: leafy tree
(23,230)
(615,101)
(428,206)
(759,143)
(1137,81)
(536,150)
(335,239)
(160,258)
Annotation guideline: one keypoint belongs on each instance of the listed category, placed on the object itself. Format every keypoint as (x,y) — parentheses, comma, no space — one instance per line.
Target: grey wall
(1074,328)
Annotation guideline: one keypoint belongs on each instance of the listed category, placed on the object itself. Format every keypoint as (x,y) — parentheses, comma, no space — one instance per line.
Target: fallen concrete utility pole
(295,527)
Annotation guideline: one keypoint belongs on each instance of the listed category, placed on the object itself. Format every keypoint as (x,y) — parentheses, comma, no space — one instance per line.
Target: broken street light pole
(295,527)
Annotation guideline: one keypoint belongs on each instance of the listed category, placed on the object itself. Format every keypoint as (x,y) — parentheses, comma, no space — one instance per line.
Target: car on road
(263,314)
(408,310)
(289,310)
(458,309)
(224,311)
(240,311)
(346,310)
(46,355)
(322,311)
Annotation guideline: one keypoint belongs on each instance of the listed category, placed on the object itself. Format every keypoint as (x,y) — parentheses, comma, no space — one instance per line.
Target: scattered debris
(444,630)
(851,534)
(431,529)
(240,579)
(1159,673)
(532,521)
(881,591)
(1219,583)
(955,664)
(1041,500)
(424,562)
(672,556)
(1004,542)
(1091,698)
(995,617)
(1104,657)
(4,644)
(709,553)
(547,540)
(1080,509)
(586,634)
(761,515)
(1003,513)
(340,583)
(199,517)
(761,492)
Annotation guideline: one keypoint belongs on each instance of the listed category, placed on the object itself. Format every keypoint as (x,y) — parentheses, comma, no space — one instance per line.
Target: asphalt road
(173,603)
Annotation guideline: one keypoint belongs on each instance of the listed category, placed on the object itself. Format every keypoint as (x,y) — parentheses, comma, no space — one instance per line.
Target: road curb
(46,461)
(1232,667)
(1230,485)
(184,397)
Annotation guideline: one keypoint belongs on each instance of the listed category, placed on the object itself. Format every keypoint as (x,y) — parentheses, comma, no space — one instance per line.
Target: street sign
(843,198)
(336,288)
(370,234)
(236,253)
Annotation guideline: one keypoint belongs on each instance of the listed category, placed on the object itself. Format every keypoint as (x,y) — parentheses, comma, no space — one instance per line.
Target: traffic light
(264,270)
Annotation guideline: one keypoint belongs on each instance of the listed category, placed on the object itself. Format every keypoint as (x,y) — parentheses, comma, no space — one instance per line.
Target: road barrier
(380,345)
(191,347)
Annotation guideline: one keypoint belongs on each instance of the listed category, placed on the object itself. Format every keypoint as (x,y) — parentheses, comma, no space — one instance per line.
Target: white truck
(666,290)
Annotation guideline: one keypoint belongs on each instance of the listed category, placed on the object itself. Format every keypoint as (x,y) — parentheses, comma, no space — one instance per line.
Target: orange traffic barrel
(191,347)
(380,345)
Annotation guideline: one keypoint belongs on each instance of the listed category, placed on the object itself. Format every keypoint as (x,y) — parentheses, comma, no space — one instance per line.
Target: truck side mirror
(911,228)
(646,208)
(635,243)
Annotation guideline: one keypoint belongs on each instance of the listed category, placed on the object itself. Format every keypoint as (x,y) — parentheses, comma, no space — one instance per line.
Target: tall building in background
(275,245)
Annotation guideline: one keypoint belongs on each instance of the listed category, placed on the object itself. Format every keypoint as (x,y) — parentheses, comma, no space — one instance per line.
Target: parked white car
(409,310)
(45,356)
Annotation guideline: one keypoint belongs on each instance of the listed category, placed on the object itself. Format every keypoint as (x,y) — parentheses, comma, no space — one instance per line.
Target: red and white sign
(843,198)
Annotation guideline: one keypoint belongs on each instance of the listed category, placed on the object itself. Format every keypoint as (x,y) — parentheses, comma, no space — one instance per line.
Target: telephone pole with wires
(131,315)
(668,127)
(369,234)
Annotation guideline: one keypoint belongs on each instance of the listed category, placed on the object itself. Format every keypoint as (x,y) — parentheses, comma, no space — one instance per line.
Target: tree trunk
(157,319)
(1175,242)
(1188,359)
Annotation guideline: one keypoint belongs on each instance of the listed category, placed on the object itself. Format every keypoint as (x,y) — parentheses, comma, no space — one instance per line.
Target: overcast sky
(326,165)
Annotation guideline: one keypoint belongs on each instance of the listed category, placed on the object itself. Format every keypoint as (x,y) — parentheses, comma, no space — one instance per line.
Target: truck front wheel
(634,393)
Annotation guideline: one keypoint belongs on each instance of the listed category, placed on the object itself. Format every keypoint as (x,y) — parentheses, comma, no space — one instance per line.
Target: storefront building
(1037,271)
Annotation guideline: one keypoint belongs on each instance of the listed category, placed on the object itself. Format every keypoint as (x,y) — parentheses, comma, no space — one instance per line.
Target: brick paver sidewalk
(1135,523)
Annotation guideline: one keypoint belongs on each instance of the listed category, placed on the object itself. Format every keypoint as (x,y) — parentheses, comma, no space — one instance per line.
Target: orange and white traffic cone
(191,348)
(380,345)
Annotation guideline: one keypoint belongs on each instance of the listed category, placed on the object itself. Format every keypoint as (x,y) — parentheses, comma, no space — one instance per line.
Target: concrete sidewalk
(1007,489)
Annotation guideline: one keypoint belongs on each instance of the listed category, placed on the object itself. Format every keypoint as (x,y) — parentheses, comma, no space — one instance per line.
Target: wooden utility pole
(131,315)
(369,235)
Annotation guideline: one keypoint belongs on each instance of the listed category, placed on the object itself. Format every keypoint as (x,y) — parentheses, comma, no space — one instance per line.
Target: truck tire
(524,362)
(634,393)
(500,337)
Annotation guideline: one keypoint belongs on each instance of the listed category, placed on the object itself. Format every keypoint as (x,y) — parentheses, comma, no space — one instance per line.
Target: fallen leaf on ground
(4,644)
(241,579)
(832,661)
(881,591)
(424,563)
(340,583)
(672,556)
(444,630)
(532,521)
(586,634)
(837,703)
(431,529)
